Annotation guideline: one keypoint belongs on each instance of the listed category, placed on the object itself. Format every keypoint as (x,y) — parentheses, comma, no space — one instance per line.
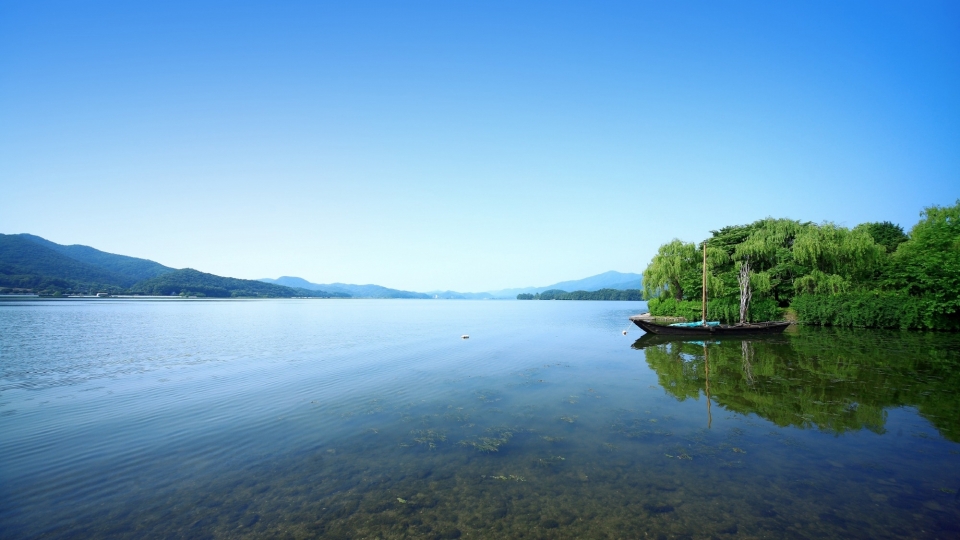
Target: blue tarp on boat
(698,323)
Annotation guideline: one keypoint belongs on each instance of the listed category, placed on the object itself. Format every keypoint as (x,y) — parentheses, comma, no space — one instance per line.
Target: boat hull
(722,330)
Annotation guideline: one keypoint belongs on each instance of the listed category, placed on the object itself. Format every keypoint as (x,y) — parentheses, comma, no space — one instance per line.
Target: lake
(374,419)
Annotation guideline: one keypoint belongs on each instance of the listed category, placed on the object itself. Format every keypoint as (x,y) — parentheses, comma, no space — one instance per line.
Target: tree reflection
(836,380)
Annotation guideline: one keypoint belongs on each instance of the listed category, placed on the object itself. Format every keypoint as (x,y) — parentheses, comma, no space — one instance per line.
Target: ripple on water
(317,418)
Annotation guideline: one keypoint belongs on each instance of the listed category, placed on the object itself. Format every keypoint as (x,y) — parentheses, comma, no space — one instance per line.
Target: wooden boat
(712,328)
(746,329)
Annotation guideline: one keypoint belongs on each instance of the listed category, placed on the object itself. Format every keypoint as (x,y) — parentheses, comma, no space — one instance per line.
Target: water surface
(367,418)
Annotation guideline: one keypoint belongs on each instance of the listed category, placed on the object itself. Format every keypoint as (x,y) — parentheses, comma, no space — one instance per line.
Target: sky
(466,146)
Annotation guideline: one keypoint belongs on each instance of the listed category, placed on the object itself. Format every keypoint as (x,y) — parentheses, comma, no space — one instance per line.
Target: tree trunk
(745,292)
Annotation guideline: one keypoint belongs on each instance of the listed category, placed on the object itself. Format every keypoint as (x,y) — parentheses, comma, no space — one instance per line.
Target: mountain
(355,291)
(131,268)
(608,280)
(32,263)
(194,283)
(27,264)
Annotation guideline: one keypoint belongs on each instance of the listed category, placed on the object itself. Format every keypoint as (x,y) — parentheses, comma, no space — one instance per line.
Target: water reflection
(834,380)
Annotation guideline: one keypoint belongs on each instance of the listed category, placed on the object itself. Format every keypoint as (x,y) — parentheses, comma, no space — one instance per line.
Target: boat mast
(704,314)
(706,368)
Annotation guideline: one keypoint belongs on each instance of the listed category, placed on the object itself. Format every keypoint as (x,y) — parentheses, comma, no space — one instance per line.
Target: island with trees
(871,275)
(602,294)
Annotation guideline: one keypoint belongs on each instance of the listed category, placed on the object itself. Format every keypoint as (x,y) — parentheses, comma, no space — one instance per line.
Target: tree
(769,248)
(928,264)
(669,267)
(837,258)
(888,235)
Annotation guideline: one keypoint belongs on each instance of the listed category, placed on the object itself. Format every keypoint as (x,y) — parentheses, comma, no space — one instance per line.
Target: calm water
(357,418)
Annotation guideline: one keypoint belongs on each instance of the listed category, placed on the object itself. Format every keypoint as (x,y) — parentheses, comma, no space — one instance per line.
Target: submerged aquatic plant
(550,461)
(429,437)
(513,477)
(490,444)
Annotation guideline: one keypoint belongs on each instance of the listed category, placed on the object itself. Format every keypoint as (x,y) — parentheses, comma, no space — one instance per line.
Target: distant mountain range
(29,263)
(356,291)
(607,280)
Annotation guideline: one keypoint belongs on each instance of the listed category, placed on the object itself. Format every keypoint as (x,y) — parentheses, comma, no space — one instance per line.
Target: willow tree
(768,247)
(668,269)
(837,257)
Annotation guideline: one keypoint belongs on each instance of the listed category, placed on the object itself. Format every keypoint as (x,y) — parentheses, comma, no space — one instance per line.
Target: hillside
(32,263)
(131,268)
(27,264)
(195,283)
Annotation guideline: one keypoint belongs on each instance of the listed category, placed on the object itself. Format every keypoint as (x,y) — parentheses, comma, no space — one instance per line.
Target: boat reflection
(833,380)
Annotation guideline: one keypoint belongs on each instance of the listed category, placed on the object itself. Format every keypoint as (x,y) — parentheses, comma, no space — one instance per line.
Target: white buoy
(464,337)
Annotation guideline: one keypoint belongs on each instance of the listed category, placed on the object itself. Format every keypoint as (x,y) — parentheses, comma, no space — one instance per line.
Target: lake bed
(373,418)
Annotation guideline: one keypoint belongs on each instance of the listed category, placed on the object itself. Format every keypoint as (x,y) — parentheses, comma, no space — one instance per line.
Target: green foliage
(817,282)
(871,275)
(670,269)
(873,309)
(725,310)
(886,234)
(837,255)
(602,294)
(928,264)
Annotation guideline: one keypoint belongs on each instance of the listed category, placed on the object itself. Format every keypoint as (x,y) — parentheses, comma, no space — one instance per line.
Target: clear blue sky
(466,146)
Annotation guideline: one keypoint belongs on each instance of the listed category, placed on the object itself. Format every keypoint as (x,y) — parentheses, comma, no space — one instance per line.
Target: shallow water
(368,418)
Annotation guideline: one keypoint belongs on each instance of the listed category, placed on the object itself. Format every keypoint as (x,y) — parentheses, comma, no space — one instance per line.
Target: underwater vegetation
(798,444)
(494,439)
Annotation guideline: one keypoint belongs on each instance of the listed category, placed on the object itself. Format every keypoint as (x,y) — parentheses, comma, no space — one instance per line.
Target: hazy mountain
(32,262)
(607,280)
(355,291)
(454,295)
